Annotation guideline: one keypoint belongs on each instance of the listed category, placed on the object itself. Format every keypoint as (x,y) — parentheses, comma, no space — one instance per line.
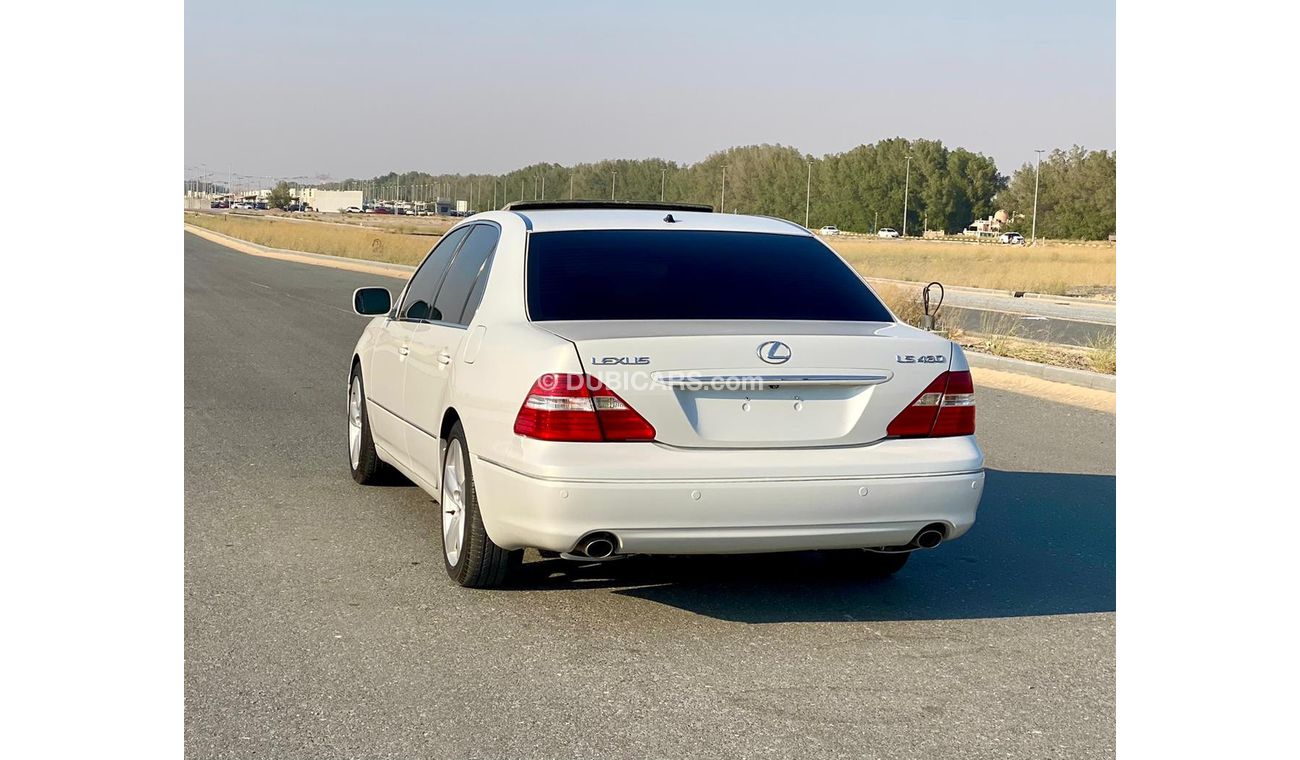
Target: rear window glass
(680,274)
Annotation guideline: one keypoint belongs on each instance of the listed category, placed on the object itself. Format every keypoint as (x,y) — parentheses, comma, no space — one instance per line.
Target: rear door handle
(444,357)
(404,350)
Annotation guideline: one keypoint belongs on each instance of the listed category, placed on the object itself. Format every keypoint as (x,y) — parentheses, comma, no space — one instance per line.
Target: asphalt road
(1063,308)
(1067,332)
(319,622)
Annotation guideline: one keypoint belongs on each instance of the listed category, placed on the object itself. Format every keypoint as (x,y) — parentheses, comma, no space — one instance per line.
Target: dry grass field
(1045,268)
(396,247)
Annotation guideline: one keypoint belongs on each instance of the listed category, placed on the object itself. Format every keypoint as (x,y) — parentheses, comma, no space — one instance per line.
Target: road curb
(1079,377)
(401,271)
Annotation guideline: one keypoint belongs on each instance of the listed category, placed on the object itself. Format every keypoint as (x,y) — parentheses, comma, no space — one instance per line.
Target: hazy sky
(356,89)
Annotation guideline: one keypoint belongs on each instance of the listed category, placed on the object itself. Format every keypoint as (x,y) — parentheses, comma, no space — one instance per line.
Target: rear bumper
(725,515)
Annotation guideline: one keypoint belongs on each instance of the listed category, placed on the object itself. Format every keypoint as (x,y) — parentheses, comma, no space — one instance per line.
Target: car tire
(363,460)
(468,553)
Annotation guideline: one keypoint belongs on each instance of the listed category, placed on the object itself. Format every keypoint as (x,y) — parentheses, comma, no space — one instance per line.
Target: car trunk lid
(760,384)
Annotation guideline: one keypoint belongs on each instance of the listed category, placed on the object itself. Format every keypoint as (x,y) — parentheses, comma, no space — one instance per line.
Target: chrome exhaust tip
(928,538)
(595,546)
(598,548)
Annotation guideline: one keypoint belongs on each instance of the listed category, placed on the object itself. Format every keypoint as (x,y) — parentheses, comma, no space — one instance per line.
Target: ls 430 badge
(926,359)
(620,360)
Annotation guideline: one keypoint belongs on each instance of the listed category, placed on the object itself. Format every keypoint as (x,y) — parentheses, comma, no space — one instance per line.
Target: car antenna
(670,219)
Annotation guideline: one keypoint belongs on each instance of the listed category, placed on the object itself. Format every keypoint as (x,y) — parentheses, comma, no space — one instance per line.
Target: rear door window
(468,267)
(692,275)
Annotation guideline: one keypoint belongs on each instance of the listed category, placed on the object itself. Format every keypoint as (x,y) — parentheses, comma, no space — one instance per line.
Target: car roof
(556,220)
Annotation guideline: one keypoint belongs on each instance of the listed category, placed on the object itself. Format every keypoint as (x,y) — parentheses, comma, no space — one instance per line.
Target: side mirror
(370,302)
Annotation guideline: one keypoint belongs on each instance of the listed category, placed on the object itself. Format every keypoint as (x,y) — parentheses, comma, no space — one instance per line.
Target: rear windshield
(680,274)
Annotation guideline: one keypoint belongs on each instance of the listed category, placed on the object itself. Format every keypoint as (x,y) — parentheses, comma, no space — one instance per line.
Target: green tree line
(1076,195)
(861,189)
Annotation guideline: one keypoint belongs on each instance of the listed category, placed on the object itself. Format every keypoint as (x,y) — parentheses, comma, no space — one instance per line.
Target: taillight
(567,407)
(945,408)
(957,410)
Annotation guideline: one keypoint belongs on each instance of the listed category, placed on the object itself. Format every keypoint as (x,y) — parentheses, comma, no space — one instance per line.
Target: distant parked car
(887,232)
(829,229)
(220,204)
(383,210)
(352,210)
(1012,238)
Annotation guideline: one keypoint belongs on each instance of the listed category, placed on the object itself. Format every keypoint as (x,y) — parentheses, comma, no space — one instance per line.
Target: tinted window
(476,295)
(419,295)
(464,272)
(679,274)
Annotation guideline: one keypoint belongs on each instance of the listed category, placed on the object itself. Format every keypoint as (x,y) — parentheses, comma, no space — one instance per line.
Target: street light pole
(613,187)
(1033,230)
(807,196)
(723,210)
(663,183)
(907,177)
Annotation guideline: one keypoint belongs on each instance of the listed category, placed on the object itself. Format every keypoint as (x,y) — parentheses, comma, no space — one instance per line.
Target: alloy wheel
(453,502)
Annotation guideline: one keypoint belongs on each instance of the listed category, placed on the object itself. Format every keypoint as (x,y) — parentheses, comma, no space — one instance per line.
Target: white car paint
(802,467)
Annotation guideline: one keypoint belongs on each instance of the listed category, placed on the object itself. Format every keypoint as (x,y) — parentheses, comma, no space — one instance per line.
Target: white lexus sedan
(600,379)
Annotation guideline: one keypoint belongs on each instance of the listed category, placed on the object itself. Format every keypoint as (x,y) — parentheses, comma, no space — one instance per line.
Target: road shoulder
(1064,393)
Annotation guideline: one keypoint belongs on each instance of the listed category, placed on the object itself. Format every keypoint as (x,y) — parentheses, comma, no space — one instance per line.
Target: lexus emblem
(774,352)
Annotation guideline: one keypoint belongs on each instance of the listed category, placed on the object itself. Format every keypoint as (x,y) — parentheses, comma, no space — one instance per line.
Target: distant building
(987,227)
(330,201)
